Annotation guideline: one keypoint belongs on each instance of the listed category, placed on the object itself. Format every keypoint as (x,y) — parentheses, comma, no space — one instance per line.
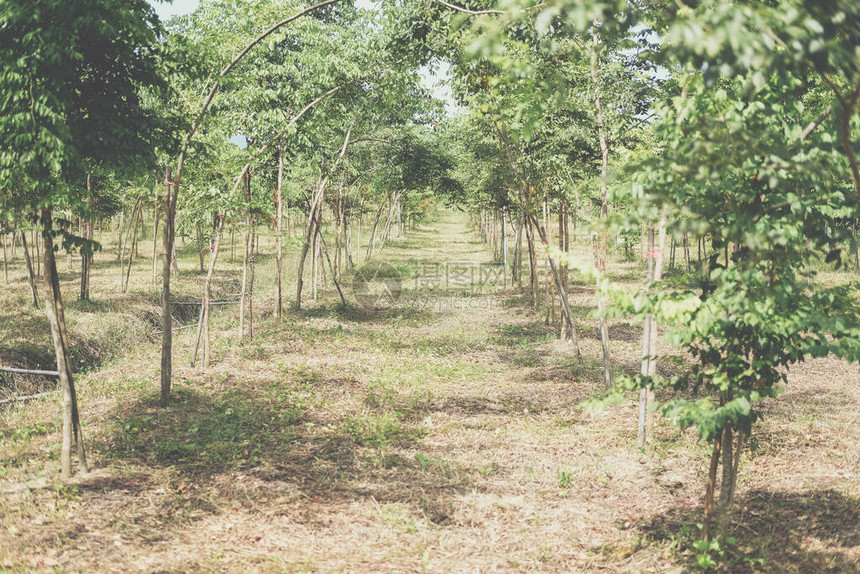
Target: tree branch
(171,198)
(484,12)
(847,110)
(281,133)
(467,11)
(815,123)
(226,71)
(268,32)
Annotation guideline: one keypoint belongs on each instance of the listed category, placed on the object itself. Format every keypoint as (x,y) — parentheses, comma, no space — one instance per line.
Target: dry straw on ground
(405,441)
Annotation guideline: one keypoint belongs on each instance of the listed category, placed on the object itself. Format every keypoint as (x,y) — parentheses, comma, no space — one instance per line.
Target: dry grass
(407,440)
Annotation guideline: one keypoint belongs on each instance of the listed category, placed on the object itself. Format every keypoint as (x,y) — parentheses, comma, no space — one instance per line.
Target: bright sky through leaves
(177,8)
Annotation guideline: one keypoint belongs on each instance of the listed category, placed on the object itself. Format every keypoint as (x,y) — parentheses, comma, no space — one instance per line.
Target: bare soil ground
(442,434)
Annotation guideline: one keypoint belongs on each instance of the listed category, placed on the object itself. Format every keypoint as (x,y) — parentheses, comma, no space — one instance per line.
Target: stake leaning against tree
(31,274)
(559,285)
(203,321)
(207,291)
(311,228)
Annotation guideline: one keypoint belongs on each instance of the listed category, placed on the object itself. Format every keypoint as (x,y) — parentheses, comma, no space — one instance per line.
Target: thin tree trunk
(207,292)
(333,276)
(5,261)
(494,242)
(131,251)
(562,295)
(316,203)
(174,260)
(672,254)
(166,316)
(155,217)
(604,153)
(30,271)
(504,247)
(279,311)
(119,236)
(372,239)
(132,227)
(728,479)
(199,335)
(736,464)
(687,261)
(710,488)
(142,228)
(321,268)
(533,278)
(857,251)
(39,256)
(604,328)
(358,235)
(310,235)
(337,218)
(86,255)
(201,248)
(516,275)
(315,253)
(251,283)
(545,211)
(57,321)
(655,258)
(249,223)
(602,246)
(647,351)
(659,258)
(562,238)
(699,259)
(348,225)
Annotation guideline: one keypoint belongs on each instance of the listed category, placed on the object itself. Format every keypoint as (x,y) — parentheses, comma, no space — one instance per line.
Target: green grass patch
(379,430)
(205,435)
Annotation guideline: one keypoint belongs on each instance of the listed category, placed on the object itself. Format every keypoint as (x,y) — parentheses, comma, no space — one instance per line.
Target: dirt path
(441,434)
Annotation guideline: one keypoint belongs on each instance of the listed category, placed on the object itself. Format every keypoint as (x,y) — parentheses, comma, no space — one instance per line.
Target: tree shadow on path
(776,531)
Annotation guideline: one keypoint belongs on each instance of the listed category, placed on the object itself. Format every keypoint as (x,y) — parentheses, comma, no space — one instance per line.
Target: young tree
(70,80)
(172,186)
(751,161)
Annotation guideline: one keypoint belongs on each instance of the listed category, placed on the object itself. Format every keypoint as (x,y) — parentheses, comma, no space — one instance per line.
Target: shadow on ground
(810,531)
(272,434)
(356,314)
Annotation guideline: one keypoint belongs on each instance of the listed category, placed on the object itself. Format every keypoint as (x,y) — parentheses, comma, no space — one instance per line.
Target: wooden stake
(30,271)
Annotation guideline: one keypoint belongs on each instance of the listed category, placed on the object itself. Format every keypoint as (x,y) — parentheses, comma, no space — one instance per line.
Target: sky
(178,7)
